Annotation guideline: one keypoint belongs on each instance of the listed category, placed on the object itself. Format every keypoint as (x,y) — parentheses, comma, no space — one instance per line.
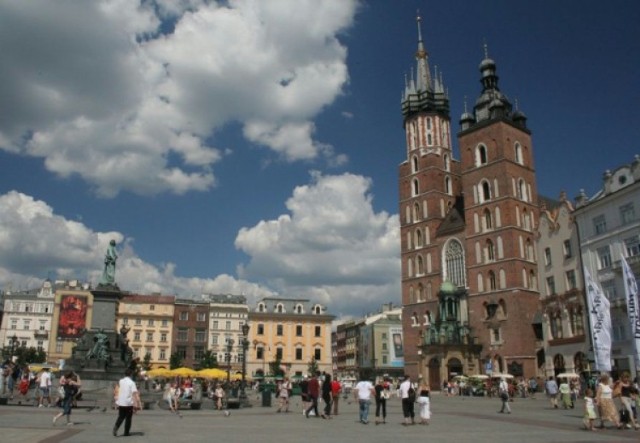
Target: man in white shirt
(503,389)
(45,387)
(363,392)
(128,400)
(408,395)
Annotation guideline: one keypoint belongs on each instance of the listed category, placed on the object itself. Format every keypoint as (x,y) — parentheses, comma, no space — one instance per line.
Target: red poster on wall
(73,316)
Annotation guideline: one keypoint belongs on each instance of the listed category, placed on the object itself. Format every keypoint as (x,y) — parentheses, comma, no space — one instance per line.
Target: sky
(252,147)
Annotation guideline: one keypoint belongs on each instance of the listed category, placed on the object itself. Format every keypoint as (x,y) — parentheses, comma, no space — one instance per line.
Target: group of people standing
(600,402)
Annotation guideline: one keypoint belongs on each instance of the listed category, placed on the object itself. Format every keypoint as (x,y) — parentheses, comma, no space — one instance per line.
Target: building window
(551,286)
(200,335)
(481,155)
(260,353)
(125,321)
(215,324)
(260,329)
(632,246)
(604,257)
(138,321)
(58,347)
(228,326)
(150,323)
(198,352)
(214,339)
(201,316)
(619,331)
(279,353)
(318,331)
(556,325)
(566,246)
(488,220)
(486,191)
(492,281)
(491,256)
(152,307)
(627,213)
(163,337)
(609,289)
(496,336)
(183,334)
(575,320)
(136,336)
(600,224)
(571,280)
(279,330)
(184,316)
(165,323)
(163,354)
(518,153)
(298,330)
(298,353)
(317,354)
(547,256)
(149,336)
(182,352)
(454,261)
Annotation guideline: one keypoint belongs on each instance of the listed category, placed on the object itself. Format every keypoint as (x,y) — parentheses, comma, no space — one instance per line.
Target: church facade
(469,265)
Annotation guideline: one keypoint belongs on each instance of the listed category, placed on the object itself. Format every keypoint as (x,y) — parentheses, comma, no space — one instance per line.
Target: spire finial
(517,105)
(419,22)
(486,48)
(465,104)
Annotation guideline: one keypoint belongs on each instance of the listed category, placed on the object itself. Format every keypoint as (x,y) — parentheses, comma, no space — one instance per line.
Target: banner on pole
(632,296)
(600,316)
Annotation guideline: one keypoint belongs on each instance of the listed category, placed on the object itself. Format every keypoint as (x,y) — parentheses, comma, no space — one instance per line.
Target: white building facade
(609,228)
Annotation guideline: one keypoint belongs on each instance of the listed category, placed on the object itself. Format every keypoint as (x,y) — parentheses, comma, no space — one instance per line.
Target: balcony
(41,335)
(633,261)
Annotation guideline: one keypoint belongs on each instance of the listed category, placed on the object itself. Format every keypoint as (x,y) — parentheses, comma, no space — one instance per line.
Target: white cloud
(332,246)
(97,90)
(34,242)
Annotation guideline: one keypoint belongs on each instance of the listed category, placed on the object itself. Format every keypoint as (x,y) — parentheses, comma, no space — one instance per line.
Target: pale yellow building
(150,319)
(295,330)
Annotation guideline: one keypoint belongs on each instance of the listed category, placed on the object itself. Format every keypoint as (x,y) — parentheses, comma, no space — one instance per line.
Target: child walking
(589,410)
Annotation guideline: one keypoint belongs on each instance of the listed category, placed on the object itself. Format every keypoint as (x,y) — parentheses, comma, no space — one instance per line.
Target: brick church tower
(469,288)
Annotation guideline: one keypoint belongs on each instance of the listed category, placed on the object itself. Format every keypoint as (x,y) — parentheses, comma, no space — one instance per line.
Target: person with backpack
(408,395)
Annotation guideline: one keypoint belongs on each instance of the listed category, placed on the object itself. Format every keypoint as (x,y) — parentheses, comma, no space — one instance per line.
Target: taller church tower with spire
(469,284)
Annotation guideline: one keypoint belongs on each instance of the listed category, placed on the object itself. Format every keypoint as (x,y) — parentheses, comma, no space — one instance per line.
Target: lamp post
(229,349)
(245,346)
(14,342)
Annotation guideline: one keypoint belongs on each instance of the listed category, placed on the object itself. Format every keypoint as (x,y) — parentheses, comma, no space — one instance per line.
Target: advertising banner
(397,348)
(72,321)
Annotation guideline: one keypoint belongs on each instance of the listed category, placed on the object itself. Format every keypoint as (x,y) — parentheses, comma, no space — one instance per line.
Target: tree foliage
(175,361)
(209,360)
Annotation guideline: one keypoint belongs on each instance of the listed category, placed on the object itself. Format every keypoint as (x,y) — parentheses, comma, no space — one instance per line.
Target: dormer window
(317,309)
(298,309)
(280,308)
(261,307)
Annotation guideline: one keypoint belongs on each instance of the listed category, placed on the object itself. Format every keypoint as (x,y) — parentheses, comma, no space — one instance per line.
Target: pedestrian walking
(363,392)
(424,401)
(408,395)
(284,392)
(313,392)
(336,389)
(44,384)
(128,401)
(70,384)
(382,395)
(551,388)
(326,396)
(503,391)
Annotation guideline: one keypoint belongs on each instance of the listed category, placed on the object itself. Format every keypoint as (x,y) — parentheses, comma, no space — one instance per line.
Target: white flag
(600,317)
(633,310)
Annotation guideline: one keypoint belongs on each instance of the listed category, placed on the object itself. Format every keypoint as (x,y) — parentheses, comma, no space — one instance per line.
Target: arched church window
(481,155)
(454,263)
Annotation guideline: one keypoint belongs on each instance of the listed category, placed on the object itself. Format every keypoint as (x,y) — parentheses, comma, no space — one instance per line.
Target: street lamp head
(14,339)
(245,329)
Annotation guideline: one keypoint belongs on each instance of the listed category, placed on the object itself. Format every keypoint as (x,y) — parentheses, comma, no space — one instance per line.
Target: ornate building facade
(469,267)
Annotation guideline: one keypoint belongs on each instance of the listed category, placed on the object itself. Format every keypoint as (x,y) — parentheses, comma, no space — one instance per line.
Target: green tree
(26,355)
(312,367)
(175,361)
(209,360)
(274,367)
(146,362)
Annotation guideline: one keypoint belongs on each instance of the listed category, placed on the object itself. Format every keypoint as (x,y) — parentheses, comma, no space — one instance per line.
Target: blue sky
(252,147)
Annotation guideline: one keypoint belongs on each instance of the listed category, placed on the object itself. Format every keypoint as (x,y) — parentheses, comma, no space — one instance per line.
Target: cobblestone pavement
(455,419)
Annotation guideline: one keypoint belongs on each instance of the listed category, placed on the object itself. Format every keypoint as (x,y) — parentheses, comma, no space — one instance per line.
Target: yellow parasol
(212,373)
(159,372)
(184,372)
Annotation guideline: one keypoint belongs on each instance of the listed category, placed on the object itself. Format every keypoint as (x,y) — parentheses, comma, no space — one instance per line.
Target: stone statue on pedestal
(109,272)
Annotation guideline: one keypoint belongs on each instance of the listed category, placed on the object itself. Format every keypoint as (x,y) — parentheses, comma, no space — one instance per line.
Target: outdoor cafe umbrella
(159,372)
(568,375)
(184,372)
(499,375)
(212,373)
(479,376)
